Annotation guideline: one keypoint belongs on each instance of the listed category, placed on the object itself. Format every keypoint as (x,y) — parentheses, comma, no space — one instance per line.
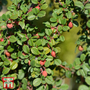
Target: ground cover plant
(29,54)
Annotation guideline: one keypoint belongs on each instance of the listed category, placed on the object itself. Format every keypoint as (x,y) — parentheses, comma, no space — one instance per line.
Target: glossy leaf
(37,82)
(35,51)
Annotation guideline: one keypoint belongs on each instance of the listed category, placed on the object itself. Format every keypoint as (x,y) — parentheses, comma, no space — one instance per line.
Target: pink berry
(37,7)
(44,73)
(29,62)
(2,40)
(53,53)
(70,24)
(9,25)
(42,62)
(7,54)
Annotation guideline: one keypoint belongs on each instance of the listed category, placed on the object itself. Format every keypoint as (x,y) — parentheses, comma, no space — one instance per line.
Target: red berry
(80,48)
(42,62)
(7,54)
(37,35)
(10,60)
(44,37)
(8,42)
(2,39)
(52,28)
(37,7)
(73,13)
(8,37)
(44,73)
(29,62)
(24,54)
(9,25)
(70,24)
(18,88)
(53,53)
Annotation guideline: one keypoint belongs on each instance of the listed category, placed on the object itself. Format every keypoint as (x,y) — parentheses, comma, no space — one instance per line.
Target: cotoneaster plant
(29,54)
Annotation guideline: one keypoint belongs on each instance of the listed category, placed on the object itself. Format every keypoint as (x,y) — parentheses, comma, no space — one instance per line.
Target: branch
(86,2)
(65,67)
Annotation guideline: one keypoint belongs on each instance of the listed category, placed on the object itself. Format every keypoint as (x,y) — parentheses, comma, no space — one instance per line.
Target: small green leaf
(49,58)
(68,2)
(68,74)
(77,61)
(21,74)
(41,14)
(65,28)
(87,80)
(14,75)
(12,39)
(22,24)
(46,49)
(37,82)
(82,73)
(47,24)
(59,28)
(5,70)
(44,6)
(1,85)
(69,14)
(24,81)
(19,42)
(31,17)
(21,35)
(59,82)
(83,87)
(62,38)
(82,57)
(47,63)
(13,65)
(10,48)
(54,89)
(64,87)
(88,23)
(19,13)
(16,1)
(53,42)
(49,80)
(32,63)
(14,55)
(1,63)
(35,51)
(53,19)
(63,21)
(24,86)
(26,48)
(34,1)
(14,16)
(23,8)
(57,61)
(87,6)
(38,42)
(79,4)
(48,31)
(48,70)
(1,47)
(30,42)
(40,88)
(6,62)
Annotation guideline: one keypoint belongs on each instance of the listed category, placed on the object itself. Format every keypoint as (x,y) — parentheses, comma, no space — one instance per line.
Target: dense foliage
(29,54)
